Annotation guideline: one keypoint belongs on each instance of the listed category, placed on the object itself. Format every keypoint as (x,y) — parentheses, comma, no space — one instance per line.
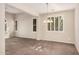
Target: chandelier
(47,20)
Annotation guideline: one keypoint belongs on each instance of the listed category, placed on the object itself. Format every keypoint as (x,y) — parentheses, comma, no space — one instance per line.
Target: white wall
(67,36)
(77,27)
(25,26)
(10,24)
(2,40)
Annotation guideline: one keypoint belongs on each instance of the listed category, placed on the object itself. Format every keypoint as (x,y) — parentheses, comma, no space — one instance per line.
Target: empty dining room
(39,29)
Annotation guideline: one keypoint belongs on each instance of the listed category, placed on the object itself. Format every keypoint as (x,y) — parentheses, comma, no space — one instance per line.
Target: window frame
(34,25)
(16,25)
(54,24)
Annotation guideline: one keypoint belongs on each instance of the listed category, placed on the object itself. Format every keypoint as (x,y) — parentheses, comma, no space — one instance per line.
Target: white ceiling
(12,10)
(52,7)
(42,7)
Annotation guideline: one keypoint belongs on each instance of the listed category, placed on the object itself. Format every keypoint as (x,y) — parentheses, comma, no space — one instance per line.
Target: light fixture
(50,20)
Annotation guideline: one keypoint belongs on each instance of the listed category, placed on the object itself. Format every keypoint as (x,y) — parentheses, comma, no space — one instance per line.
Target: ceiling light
(47,20)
